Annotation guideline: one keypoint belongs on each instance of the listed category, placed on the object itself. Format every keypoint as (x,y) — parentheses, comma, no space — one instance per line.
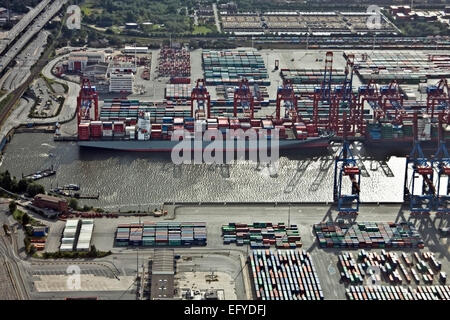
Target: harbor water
(142,181)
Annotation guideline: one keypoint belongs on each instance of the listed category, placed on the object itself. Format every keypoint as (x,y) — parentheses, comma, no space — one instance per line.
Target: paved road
(216,17)
(36,27)
(70,103)
(22,24)
(19,115)
(25,60)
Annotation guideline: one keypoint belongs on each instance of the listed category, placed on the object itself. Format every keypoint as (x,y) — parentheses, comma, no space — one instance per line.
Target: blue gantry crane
(345,165)
(441,166)
(419,188)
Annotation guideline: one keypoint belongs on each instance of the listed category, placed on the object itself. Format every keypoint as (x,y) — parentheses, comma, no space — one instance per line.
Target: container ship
(130,125)
(147,137)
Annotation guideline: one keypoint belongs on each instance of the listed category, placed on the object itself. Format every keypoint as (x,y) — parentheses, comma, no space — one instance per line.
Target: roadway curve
(70,103)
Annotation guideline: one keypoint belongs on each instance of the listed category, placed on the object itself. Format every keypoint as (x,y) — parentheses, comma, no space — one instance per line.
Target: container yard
(367,235)
(385,275)
(230,66)
(262,235)
(284,275)
(161,234)
(298,23)
(174,62)
(311,76)
(418,268)
(409,67)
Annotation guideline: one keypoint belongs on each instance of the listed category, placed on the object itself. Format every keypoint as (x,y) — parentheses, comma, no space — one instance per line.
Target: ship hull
(167,145)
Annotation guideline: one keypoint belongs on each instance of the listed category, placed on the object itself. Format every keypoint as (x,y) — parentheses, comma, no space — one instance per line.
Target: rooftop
(48,198)
(163,274)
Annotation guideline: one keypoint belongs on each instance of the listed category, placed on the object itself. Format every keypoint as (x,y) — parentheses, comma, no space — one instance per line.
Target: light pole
(289,216)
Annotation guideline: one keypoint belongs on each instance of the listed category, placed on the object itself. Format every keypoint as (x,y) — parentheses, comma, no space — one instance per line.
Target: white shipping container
(83,247)
(69,234)
(72,223)
(67,240)
(66,247)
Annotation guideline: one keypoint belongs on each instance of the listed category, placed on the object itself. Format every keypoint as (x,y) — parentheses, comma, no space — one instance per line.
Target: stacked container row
(368,235)
(85,235)
(398,293)
(161,234)
(262,235)
(69,235)
(284,275)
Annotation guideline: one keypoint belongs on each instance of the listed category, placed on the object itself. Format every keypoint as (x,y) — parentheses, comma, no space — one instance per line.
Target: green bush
(34,189)
(73,203)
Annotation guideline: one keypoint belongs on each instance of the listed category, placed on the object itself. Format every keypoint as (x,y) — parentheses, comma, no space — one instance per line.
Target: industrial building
(163,274)
(121,67)
(79,60)
(121,82)
(44,201)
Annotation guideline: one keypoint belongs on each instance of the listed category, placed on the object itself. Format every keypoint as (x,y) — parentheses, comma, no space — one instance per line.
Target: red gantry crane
(392,99)
(243,98)
(343,99)
(369,93)
(286,96)
(87,99)
(200,101)
(438,97)
(322,94)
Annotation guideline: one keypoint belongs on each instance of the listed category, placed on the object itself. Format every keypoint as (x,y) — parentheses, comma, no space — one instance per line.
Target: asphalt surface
(31,31)
(22,24)
(19,115)
(25,60)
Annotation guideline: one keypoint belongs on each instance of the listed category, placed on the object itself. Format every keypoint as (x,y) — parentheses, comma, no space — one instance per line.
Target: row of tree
(19,186)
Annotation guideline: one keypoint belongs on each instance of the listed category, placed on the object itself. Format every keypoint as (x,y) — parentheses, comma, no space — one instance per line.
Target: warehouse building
(163,275)
(79,60)
(44,201)
(121,82)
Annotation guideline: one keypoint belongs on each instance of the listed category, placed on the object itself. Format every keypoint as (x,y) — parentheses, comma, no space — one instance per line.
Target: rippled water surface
(130,180)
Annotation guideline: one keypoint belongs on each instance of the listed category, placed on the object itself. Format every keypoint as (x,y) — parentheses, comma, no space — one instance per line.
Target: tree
(34,189)
(12,206)
(25,219)
(22,185)
(5,180)
(73,203)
